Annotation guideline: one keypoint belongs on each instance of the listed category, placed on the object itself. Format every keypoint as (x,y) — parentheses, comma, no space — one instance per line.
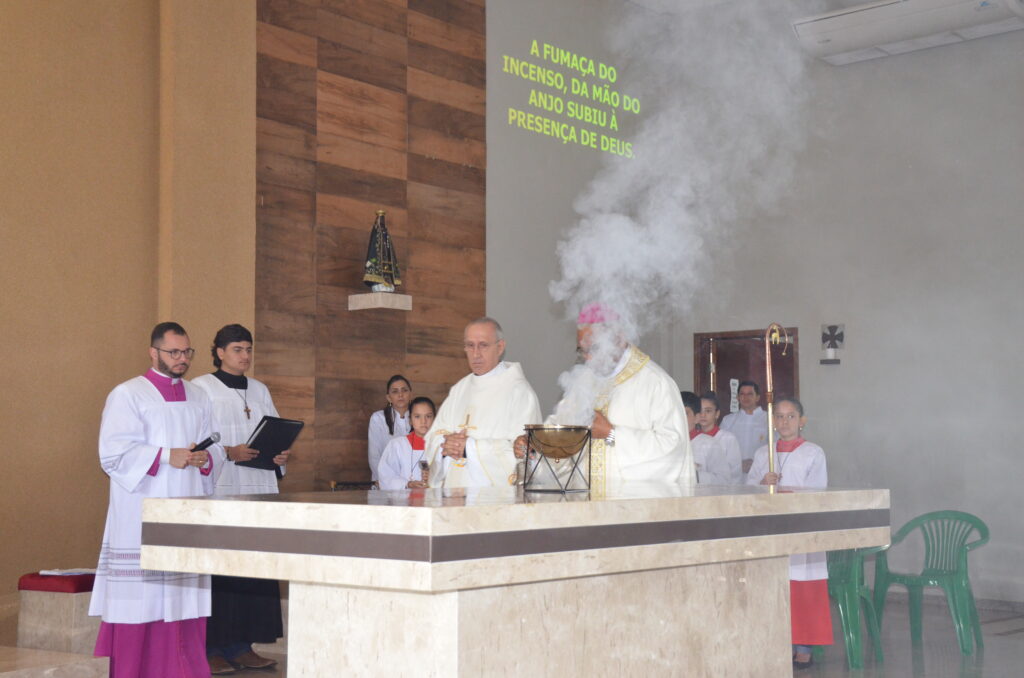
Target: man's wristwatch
(610,439)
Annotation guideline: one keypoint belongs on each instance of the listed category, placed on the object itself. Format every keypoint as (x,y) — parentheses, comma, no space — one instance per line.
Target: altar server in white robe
(799,463)
(244,610)
(401,465)
(749,424)
(639,428)
(153,622)
(471,442)
(388,423)
(719,448)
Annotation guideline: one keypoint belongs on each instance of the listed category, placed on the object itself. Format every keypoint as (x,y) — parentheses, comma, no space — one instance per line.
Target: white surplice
(498,405)
(378,436)
(235,428)
(137,424)
(643,404)
(725,451)
(751,430)
(399,464)
(803,467)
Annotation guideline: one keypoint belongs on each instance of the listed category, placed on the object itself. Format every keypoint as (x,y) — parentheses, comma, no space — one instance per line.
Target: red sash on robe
(789,445)
(418,444)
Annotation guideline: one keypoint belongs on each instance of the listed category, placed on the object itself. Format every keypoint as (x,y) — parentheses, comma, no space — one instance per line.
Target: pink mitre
(596,314)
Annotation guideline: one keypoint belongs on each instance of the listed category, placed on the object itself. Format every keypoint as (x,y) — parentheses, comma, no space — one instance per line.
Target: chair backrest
(844,567)
(945,535)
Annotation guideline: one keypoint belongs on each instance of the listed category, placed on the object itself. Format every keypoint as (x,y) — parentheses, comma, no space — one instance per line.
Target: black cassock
(243,610)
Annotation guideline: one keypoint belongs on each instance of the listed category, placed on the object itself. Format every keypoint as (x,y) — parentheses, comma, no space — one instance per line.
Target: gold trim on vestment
(599,448)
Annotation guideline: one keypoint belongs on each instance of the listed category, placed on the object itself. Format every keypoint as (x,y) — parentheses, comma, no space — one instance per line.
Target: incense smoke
(724,96)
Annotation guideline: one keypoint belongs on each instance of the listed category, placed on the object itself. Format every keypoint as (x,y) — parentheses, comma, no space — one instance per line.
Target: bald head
(484,344)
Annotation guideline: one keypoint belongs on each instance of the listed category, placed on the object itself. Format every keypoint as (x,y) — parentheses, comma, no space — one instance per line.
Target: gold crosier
(599,448)
(772,335)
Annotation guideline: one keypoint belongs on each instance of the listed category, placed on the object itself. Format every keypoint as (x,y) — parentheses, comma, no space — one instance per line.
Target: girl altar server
(799,464)
(400,466)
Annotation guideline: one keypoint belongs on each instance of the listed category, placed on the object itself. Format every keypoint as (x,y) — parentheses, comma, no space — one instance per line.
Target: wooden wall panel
(345,127)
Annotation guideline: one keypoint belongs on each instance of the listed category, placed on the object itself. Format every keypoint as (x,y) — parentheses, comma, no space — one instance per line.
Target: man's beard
(166,369)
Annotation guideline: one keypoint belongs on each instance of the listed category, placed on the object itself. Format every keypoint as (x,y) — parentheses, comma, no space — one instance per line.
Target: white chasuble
(235,428)
(492,409)
(138,426)
(646,411)
(803,467)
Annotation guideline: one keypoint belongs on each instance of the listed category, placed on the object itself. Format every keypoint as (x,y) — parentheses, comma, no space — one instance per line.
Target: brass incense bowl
(557,442)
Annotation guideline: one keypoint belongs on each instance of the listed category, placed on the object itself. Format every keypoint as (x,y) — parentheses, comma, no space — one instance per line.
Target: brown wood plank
(357,110)
(285,207)
(359,155)
(348,404)
(344,212)
(447,119)
(361,36)
(375,188)
(295,15)
(349,363)
(341,460)
(283,139)
(430,339)
(436,172)
(353,63)
(286,92)
(286,45)
(446,230)
(291,394)
(447,64)
(430,311)
(430,87)
(285,275)
(423,28)
(286,359)
(388,15)
(445,202)
(434,144)
(284,170)
(456,12)
(427,367)
(443,285)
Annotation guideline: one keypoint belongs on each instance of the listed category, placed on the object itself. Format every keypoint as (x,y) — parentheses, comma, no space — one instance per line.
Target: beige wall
(89,142)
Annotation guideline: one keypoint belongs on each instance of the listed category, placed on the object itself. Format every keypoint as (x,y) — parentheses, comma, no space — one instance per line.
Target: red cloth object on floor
(57,583)
(810,613)
(155,650)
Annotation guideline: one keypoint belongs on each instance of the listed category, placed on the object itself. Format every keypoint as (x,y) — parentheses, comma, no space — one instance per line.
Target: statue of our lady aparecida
(382,273)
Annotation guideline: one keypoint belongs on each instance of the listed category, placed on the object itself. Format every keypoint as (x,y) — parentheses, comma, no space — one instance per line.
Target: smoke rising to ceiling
(724,108)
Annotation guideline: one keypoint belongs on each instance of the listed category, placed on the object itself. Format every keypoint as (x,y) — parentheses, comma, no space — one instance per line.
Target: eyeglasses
(176,353)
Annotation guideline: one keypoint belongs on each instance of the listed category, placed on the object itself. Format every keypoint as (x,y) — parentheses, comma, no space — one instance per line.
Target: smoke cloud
(724,95)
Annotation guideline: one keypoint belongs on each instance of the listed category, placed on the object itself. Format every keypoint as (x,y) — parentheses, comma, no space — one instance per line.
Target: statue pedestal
(654,580)
(394,300)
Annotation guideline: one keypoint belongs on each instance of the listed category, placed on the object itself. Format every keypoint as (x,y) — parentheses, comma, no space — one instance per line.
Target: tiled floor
(938,657)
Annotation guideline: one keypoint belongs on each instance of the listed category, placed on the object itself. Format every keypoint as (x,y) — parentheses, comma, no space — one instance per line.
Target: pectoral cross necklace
(244,395)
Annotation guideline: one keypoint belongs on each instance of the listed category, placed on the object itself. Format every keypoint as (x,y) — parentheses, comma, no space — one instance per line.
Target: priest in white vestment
(471,441)
(153,622)
(244,610)
(639,428)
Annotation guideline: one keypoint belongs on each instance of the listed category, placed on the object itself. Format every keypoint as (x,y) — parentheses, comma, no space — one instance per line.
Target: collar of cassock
(694,432)
(789,445)
(416,442)
(713,432)
(238,381)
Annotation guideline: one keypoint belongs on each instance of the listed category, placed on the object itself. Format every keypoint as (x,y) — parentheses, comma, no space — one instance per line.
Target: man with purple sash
(154,623)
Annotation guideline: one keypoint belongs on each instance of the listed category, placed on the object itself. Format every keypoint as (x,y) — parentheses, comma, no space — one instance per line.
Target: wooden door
(739,356)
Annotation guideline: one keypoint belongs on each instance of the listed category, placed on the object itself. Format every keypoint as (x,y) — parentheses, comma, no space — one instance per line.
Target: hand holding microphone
(195,455)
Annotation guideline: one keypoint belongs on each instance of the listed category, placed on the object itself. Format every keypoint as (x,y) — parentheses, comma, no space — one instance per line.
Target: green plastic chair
(946,545)
(847,588)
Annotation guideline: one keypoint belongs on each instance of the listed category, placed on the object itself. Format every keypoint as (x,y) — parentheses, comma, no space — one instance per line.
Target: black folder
(273,435)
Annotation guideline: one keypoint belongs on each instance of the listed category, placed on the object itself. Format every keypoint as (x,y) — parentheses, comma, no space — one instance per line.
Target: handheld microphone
(203,444)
